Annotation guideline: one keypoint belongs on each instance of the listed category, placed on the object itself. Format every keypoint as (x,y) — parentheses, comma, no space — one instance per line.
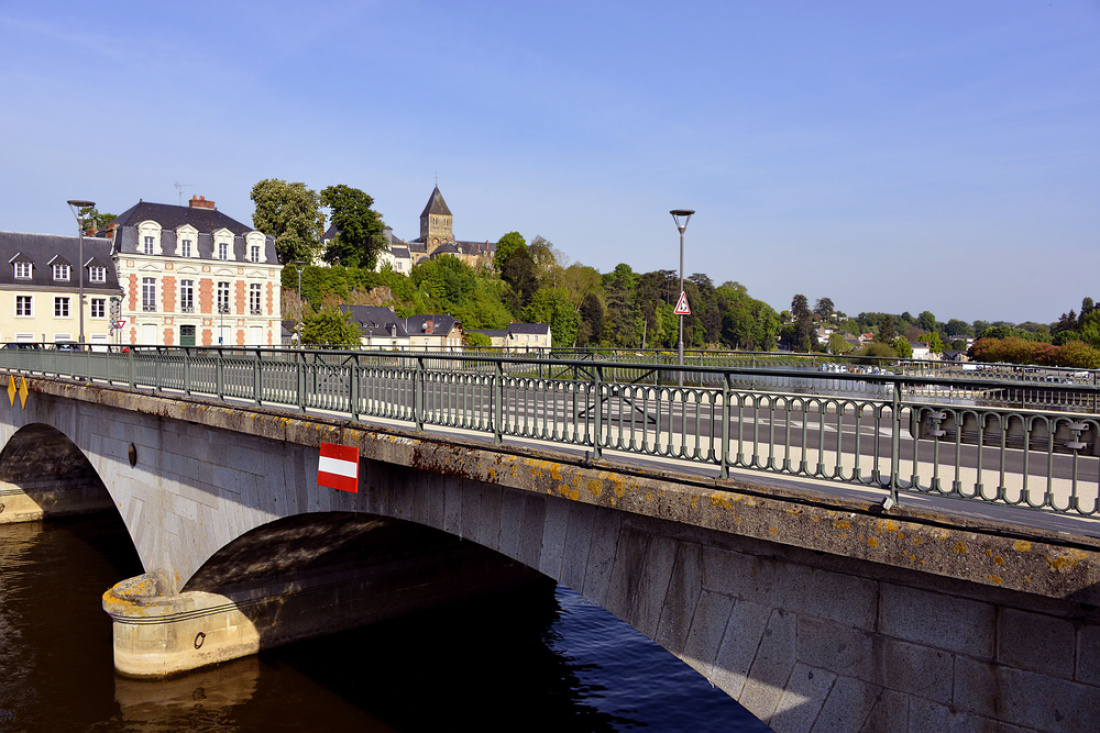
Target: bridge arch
(44,473)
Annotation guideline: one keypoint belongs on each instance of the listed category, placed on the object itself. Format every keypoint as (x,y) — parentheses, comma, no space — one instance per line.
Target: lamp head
(681,217)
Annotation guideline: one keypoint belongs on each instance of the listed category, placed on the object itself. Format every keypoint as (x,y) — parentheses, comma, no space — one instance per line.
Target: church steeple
(436,222)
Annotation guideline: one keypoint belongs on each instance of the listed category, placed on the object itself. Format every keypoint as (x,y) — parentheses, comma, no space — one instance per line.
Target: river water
(539,659)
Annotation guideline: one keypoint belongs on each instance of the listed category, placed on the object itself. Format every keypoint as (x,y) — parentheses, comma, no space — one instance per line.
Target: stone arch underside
(43,473)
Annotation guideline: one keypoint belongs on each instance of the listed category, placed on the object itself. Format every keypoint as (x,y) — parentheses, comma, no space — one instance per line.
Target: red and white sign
(682,306)
(339,467)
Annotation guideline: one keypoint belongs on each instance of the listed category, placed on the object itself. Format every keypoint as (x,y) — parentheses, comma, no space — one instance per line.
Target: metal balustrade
(900,430)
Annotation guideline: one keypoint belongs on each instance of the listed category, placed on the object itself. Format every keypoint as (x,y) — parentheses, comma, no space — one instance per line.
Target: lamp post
(681,217)
(298,326)
(78,206)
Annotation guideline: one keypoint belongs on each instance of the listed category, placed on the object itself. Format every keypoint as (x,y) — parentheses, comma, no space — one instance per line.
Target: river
(539,659)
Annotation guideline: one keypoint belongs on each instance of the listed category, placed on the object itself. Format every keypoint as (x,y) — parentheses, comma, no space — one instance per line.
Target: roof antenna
(179,187)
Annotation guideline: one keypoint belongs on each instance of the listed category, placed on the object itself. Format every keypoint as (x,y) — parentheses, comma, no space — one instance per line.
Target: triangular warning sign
(682,306)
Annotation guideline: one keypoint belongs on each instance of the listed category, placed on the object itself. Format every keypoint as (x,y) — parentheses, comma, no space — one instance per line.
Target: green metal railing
(897,430)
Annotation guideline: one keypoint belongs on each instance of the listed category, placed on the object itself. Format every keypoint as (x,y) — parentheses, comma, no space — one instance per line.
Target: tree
(955,327)
(93,220)
(330,327)
(522,277)
(476,340)
(359,228)
(552,306)
(927,321)
(591,325)
(823,308)
(903,348)
(801,337)
(886,330)
(508,245)
(290,212)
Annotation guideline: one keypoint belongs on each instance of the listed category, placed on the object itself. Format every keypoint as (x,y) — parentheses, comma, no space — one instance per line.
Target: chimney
(200,202)
(429,326)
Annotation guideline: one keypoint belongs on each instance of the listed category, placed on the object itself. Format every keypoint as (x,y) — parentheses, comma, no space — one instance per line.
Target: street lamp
(298,326)
(77,207)
(681,217)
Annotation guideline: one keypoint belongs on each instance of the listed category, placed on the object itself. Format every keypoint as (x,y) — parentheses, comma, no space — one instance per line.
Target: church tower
(435,222)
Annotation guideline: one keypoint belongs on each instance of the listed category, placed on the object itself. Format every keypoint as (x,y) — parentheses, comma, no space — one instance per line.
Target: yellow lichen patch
(842,524)
(960,548)
(901,535)
(650,497)
(1021,546)
(998,560)
(995,578)
(492,473)
(888,525)
(815,518)
(595,486)
(694,502)
(568,493)
(773,531)
(989,553)
(795,512)
(872,542)
(912,558)
(1067,561)
(918,541)
(721,500)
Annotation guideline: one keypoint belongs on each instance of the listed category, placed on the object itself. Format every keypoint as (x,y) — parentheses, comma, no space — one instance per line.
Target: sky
(891,156)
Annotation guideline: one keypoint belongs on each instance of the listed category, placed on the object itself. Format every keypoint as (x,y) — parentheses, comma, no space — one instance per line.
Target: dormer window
(23,270)
(185,248)
(223,251)
(254,253)
(147,246)
(97,274)
(61,272)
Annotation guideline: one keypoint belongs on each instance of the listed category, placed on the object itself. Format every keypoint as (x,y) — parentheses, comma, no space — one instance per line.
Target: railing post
(220,373)
(257,379)
(130,367)
(724,470)
(498,402)
(354,396)
(895,441)
(156,369)
(597,389)
(300,363)
(418,393)
(187,371)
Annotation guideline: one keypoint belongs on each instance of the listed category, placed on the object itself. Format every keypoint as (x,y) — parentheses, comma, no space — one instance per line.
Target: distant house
(922,350)
(380,327)
(435,331)
(40,288)
(519,336)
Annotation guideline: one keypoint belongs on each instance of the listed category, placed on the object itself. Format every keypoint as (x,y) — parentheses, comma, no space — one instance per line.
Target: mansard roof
(41,249)
(173,217)
(436,205)
(376,321)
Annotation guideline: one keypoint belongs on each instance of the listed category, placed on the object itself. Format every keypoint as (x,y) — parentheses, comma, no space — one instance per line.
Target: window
(223,251)
(148,294)
(187,296)
(223,297)
(60,272)
(254,253)
(99,308)
(148,246)
(23,270)
(23,306)
(185,248)
(61,307)
(97,274)
(254,299)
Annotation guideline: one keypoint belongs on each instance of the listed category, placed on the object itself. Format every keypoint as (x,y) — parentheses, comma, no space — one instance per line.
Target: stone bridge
(817,613)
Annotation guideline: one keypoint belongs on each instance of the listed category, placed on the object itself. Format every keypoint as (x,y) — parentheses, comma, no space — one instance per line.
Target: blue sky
(892,156)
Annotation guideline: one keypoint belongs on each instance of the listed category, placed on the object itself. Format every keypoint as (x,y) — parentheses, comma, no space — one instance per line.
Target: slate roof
(376,321)
(173,217)
(540,329)
(170,218)
(436,205)
(41,249)
(444,324)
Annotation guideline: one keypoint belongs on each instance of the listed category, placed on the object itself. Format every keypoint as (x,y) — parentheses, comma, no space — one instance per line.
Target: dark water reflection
(540,659)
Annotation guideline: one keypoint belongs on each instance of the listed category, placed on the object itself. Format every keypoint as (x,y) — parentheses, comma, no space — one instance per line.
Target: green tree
(291,213)
(330,327)
(886,330)
(359,227)
(507,246)
(824,308)
(552,306)
(927,321)
(903,348)
(93,220)
(476,340)
(839,345)
(935,345)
